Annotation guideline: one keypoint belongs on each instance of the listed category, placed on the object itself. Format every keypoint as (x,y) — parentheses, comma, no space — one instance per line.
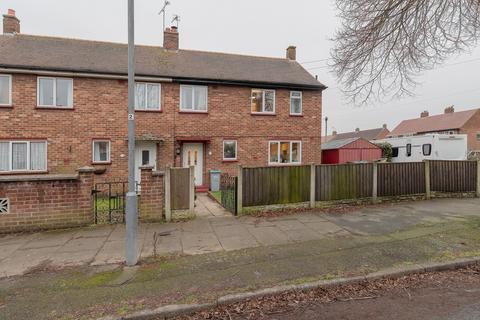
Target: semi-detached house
(63,105)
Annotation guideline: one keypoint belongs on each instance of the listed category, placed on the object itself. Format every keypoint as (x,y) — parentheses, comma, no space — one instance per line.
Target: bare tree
(383,44)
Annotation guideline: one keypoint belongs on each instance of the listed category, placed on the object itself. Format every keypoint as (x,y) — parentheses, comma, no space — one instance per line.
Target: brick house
(369,134)
(450,122)
(63,105)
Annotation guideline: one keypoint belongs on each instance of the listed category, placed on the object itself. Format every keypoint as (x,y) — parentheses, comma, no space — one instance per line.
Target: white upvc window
(19,156)
(101,151)
(263,101)
(55,92)
(148,96)
(229,150)
(193,98)
(285,152)
(5,90)
(296,102)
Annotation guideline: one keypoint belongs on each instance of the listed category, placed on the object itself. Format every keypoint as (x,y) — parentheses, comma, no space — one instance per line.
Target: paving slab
(44,240)
(303,235)
(323,227)
(22,261)
(199,243)
(236,230)
(238,242)
(82,244)
(268,236)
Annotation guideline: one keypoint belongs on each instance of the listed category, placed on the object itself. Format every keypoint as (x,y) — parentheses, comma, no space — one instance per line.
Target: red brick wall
(152,195)
(46,204)
(472,128)
(100,111)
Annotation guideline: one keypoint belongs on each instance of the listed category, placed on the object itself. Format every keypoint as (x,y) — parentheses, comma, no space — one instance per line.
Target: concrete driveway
(101,245)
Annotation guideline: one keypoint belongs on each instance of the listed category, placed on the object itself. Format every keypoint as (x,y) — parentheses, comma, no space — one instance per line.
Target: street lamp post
(131,254)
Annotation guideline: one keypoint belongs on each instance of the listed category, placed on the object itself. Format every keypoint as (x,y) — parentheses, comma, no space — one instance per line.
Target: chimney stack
(11,24)
(170,38)
(424,114)
(357,130)
(450,109)
(292,53)
(334,133)
(384,126)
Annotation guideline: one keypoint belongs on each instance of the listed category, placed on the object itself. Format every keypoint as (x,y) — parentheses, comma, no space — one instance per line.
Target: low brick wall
(46,201)
(152,195)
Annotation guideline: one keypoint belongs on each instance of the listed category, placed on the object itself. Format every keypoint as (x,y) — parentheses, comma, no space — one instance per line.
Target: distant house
(370,134)
(350,150)
(450,122)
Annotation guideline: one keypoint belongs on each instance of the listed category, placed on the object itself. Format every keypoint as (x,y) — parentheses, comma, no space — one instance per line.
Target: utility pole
(131,252)
(326,126)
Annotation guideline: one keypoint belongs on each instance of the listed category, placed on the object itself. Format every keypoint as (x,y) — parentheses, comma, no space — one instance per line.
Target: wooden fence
(296,184)
(400,179)
(275,185)
(453,176)
(346,181)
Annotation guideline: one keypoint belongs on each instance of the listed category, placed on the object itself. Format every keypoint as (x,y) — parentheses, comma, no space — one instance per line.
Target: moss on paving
(88,292)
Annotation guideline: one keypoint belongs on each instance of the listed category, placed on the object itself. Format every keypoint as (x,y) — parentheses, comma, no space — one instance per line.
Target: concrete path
(217,231)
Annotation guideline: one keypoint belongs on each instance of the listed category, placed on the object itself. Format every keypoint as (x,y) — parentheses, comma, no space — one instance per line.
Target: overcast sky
(255,27)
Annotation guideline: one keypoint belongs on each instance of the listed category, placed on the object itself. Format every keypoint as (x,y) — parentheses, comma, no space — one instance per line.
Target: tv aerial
(163,11)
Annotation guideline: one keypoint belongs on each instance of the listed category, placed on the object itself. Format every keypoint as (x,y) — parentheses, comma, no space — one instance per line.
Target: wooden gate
(180,188)
(228,190)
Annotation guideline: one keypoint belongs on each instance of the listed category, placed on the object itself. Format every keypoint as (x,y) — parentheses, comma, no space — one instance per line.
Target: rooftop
(436,123)
(32,52)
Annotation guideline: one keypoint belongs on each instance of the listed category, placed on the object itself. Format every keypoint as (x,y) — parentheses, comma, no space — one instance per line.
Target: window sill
(150,111)
(263,114)
(102,163)
(16,173)
(230,160)
(284,164)
(193,112)
(296,115)
(54,108)
(6,106)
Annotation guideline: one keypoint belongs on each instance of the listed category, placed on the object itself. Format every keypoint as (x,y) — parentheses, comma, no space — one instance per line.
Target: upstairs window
(5,90)
(147,96)
(101,151)
(296,102)
(193,98)
(230,150)
(23,156)
(285,152)
(55,92)
(263,101)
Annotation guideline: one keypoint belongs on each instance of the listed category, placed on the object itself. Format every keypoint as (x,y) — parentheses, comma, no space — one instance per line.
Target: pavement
(378,240)
(215,230)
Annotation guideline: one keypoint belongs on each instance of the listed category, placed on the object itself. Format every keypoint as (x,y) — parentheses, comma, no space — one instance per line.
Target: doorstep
(201,189)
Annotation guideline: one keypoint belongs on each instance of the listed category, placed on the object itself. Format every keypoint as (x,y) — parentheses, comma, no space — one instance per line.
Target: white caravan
(428,147)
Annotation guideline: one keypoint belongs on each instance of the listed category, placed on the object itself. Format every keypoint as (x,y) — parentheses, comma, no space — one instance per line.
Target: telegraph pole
(326,126)
(131,252)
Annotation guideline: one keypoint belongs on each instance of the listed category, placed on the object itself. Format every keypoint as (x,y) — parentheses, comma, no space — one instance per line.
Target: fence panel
(399,179)
(180,188)
(342,182)
(275,185)
(453,176)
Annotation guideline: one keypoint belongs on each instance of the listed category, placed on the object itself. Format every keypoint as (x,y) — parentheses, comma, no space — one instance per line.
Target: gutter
(106,76)
(113,76)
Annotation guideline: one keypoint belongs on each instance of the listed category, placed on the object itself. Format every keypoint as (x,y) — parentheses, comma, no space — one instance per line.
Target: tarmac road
(459,302)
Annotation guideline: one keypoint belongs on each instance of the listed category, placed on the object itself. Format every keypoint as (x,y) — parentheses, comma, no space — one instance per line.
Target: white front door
(145,155)
(193,156)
